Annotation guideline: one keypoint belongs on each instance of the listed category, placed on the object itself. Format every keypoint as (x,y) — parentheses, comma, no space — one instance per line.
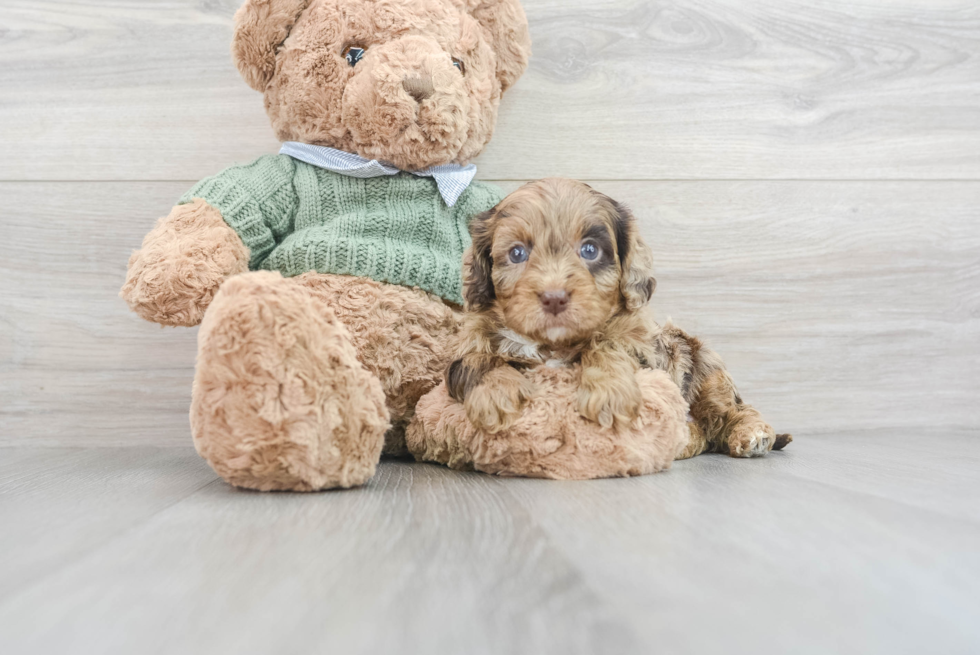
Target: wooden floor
(846,544)
(807,173)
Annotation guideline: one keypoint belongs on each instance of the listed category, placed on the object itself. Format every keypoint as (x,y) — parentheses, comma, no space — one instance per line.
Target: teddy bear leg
(405,337)
(280,400)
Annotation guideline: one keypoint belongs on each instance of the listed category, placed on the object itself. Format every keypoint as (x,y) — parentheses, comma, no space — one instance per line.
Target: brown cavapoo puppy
(558,274)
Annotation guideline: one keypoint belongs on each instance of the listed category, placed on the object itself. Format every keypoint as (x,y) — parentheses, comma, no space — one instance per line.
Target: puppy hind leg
(749,435)
(730,426)
(722,422)
(697,443)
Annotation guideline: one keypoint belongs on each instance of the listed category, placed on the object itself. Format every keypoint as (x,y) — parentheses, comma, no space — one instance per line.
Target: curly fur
(604,323)
(280,399)
(298,381)
(260,28)
(551,439)
(404,337)
(293,51)
(184,259)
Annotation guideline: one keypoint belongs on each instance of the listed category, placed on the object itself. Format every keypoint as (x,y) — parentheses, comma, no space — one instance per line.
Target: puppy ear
(478,288)
(261,26)
(635,260)
(505,23)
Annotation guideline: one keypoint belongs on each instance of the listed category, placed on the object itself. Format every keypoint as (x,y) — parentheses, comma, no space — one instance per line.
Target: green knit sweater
(296,218)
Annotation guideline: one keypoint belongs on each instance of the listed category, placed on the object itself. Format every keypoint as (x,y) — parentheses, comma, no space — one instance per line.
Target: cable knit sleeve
(257,200)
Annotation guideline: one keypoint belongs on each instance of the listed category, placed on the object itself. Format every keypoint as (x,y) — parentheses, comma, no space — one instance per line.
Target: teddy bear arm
(173,277)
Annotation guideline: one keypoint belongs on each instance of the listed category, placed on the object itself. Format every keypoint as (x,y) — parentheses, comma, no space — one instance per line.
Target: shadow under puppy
(558,274)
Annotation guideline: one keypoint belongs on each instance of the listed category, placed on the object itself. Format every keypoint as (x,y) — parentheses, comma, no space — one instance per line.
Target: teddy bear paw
(281,401)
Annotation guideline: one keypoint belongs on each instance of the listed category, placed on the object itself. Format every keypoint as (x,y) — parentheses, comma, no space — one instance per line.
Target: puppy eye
(459,65)
(353,54)
(589,251)
(518,255)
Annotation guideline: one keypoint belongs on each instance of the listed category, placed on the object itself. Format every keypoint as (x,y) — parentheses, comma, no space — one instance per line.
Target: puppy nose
(419,87)
(554,302)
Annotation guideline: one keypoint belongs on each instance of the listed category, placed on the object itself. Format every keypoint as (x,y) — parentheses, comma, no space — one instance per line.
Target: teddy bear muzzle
(407,103)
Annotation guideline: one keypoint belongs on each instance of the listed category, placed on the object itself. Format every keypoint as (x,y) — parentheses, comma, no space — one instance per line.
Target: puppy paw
(498,400)
(751,439)
(609,400)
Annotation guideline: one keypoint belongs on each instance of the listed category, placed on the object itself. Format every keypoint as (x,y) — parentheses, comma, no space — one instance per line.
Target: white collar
(452,179)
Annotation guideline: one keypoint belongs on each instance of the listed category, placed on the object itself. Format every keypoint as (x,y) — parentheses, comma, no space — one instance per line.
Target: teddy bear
(326,279)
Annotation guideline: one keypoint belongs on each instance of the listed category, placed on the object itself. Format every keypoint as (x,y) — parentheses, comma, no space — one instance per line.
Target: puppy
(558,274)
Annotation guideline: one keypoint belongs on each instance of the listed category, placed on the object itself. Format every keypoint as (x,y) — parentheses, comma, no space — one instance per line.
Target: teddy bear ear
(506,24)
(261,26)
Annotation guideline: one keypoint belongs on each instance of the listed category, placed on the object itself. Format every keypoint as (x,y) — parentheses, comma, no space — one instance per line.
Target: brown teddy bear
(327,279)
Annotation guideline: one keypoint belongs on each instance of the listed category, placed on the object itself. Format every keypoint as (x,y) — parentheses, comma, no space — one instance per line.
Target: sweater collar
(452,179)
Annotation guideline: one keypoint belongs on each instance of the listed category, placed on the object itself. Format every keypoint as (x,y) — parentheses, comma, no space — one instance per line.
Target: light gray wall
(808,174)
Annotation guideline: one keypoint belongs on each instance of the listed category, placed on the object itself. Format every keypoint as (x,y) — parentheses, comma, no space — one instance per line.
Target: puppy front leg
(609,393)
(492,391)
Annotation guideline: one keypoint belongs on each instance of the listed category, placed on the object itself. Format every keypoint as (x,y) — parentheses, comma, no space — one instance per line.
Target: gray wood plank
(617,89)
(421,560)
(58,505)
(73,360)
(715,556)
(837,306)
(725,556)
(937,469)
(847,310)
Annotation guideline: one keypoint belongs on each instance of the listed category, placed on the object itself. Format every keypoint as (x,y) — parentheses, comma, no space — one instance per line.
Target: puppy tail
(782,440)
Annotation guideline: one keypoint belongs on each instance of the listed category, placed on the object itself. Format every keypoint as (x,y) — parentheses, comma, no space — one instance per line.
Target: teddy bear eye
(353,54)
(518,255)
(458,63)
(589,251)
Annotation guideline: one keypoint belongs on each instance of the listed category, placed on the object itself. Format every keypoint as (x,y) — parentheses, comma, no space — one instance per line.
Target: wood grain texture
(59,505)
(777,555)
(617,89)
(808,175)
(837,306)
(73,360)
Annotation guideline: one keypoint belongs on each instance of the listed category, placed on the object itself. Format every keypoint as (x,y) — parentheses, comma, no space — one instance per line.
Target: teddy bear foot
(280,400)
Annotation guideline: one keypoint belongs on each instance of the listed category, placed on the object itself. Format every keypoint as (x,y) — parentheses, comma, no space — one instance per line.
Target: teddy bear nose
(419,87)
(554,302)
